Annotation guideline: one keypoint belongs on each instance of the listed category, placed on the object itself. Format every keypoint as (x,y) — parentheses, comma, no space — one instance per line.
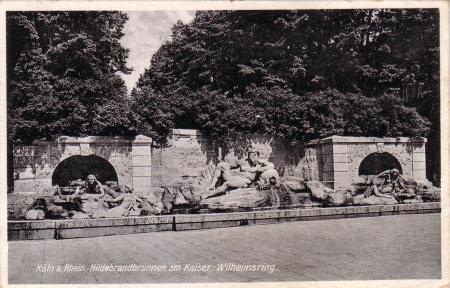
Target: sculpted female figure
(128,205)
(386,184)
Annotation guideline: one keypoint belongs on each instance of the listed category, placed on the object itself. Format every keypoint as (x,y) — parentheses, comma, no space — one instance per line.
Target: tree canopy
(297,74)
(62,75)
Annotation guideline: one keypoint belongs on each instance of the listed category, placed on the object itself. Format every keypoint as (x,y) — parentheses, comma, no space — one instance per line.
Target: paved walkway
(388,247)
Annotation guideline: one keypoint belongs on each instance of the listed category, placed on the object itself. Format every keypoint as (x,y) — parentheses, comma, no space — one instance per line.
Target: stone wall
(339,157)
(35,165)
(190,156)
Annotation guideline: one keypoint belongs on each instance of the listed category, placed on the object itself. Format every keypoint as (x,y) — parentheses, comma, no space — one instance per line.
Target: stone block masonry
(188,156)
(48,163)
(141,162)
(340,157)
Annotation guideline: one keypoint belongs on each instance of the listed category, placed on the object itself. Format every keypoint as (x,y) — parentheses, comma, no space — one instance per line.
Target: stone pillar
(326,171)
(141,164)
(340,166)
(419,159)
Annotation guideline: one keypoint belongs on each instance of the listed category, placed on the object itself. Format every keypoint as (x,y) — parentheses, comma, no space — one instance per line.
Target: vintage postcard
(292,144)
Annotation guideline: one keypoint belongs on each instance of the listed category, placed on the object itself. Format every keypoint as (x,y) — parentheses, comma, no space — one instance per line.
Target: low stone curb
(80,228)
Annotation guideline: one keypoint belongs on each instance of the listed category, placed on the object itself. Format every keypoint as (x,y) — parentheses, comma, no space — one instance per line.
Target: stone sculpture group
(256,183)
(243,181)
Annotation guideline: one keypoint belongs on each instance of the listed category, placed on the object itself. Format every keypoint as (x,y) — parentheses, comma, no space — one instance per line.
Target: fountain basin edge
(82,228)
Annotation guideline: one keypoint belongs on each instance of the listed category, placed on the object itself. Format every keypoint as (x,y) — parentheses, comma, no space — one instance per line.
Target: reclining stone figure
(235,173)
(388,187)
(386,184)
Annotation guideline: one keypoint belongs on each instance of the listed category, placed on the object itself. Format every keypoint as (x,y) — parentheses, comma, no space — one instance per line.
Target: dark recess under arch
(376,163)
(79,167)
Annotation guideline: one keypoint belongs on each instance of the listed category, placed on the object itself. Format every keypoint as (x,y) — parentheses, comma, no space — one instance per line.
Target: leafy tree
(62,75)
(151,114)
(225,60)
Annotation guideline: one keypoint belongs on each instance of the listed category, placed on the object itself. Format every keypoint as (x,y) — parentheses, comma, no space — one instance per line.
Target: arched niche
(79,167)
(376,163)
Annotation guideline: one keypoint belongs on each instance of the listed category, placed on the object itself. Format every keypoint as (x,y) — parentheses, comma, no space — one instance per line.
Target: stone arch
(78,167)
(378,162)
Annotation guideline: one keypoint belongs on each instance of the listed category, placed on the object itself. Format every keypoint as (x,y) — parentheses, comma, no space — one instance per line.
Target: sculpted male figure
(241,173)
(265,170)
(91,186)
(239,179)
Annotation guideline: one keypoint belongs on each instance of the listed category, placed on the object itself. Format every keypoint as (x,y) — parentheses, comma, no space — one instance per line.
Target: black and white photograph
(199,145)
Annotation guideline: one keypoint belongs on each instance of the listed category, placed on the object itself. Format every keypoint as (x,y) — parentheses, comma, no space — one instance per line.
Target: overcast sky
(144,33)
